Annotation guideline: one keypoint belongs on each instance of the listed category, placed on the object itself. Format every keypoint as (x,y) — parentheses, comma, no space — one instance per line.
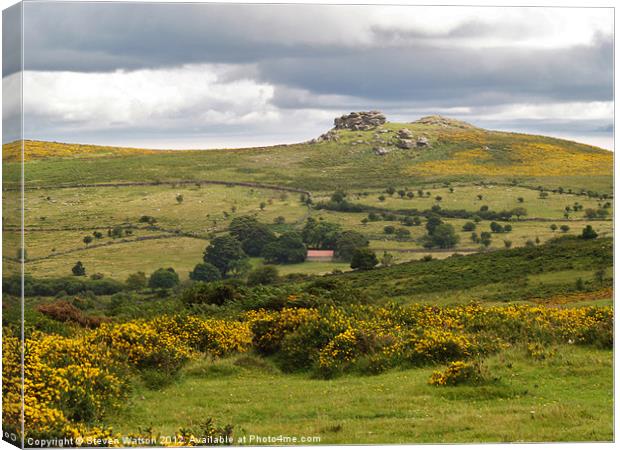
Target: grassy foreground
(532,401)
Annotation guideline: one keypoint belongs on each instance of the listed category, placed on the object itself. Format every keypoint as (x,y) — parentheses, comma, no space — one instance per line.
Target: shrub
(78,270)
(458,372)
(215,293)
(402,233)
(469,226)
(136,281)
(364,259)
(63,311)
(263,275)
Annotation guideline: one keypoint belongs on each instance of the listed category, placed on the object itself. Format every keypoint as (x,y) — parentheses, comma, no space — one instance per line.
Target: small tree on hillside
(164,279)
(589,233)
(469,226)
(78,270)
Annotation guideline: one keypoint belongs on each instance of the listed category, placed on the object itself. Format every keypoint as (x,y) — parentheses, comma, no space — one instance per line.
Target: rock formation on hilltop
(359,121)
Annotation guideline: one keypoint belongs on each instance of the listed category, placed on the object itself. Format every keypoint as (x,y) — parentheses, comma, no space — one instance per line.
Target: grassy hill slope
(455,153)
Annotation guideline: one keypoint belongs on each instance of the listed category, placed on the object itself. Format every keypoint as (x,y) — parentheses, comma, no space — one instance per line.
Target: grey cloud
(454,76)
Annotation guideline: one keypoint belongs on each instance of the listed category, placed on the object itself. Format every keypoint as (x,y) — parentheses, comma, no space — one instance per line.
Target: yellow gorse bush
(70,382)
(334,339)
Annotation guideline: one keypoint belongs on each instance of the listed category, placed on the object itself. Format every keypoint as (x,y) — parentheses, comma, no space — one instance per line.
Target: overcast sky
(207,76)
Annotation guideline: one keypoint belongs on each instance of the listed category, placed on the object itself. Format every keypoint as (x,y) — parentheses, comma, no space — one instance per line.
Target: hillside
(432,149)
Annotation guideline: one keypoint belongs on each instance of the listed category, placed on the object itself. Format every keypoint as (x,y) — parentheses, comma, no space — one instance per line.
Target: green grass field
(530,402)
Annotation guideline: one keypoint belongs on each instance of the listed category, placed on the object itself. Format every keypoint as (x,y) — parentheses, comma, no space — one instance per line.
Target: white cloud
(193,95)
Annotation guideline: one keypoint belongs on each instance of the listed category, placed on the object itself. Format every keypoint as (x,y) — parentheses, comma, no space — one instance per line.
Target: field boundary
(170,182)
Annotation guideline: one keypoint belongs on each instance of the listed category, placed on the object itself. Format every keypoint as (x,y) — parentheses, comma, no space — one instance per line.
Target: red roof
(320,253)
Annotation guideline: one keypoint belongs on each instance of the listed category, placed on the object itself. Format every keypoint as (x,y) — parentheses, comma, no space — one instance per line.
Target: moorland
(466,295)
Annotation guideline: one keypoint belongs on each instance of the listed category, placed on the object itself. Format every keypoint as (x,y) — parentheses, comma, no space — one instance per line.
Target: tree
(363,259)
(553,227)
(433,222)
(78,270)
(469,226)
(205,272)
(402,233)
(507,243)
(381,198)
(496,227)
(519,212)
(410,195)
(389,229)
(408,221)
(224,252)
(347,242)
(288,248)
(280,220)
(479,196)
(507,228)
(263,275)
(402,193)
(180,198)
(97,234)
(88,239)
(164,279)
(520,199)
(262,205)
(564,228)
(390,190)
(136,281)
(485,238)
(438,198)
(588,233)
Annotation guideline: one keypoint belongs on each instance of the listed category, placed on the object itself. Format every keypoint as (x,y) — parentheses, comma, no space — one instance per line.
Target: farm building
(320,255)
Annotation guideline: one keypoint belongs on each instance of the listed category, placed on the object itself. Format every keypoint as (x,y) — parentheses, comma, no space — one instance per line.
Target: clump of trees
(288,248)
(498,228)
